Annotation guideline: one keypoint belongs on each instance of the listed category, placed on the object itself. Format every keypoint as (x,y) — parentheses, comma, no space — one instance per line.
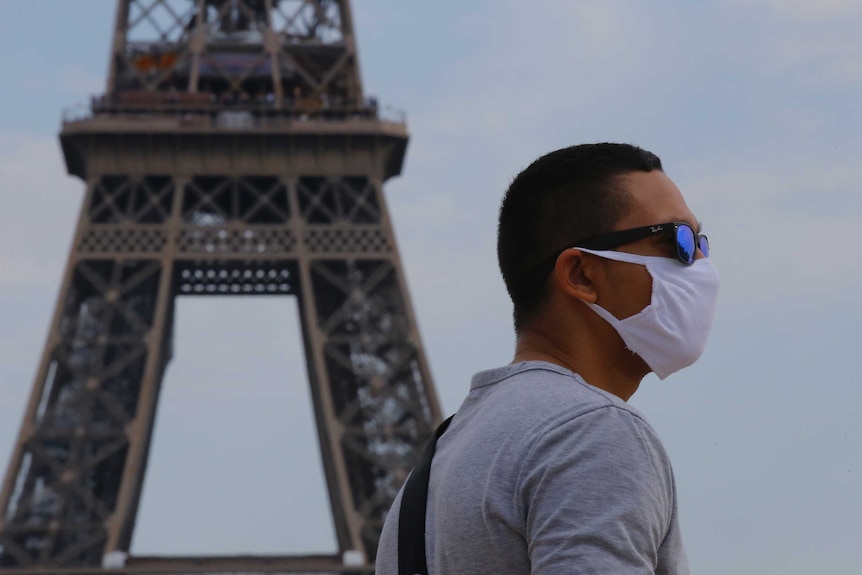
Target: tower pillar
(233,153)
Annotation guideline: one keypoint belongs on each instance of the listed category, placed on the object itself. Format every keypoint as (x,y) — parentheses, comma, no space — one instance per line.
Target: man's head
(560,199)
(606,266)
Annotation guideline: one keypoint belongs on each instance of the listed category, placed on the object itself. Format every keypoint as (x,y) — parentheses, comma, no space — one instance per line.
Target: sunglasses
(686,239)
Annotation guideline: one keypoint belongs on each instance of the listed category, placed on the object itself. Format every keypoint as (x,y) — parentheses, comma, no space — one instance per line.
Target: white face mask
(671,332)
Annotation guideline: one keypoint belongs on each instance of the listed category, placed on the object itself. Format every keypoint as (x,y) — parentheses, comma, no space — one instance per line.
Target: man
(545,469)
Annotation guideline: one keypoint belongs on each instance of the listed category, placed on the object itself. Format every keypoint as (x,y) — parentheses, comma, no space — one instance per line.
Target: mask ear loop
(622,256)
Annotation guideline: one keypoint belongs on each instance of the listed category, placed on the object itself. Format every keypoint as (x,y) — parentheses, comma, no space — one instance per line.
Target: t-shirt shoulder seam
(521,372)
(609,401)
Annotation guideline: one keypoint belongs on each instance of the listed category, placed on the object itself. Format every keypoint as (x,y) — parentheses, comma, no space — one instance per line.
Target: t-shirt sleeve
(596,495)
(387,549)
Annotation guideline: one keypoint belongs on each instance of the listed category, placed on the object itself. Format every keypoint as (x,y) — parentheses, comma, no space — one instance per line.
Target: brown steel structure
(233,153)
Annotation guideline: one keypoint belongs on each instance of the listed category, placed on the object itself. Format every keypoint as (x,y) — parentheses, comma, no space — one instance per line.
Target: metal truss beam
(73,490)
(283,53)
(233,154)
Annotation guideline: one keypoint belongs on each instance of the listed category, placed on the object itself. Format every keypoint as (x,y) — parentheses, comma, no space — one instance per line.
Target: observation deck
(203,119)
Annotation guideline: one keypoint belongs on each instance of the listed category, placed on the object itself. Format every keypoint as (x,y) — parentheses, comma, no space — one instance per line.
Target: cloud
(228,405)
(773,223)
(822,200)
(499,86)
(815,42)
(80,82)
(817,10)
(428,211)
(39,207)
(822,55)
(18,271)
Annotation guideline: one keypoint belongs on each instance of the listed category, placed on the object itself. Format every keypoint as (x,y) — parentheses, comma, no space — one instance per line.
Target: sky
(754,108)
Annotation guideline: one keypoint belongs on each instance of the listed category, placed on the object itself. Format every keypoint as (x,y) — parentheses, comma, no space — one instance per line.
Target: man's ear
(574,274)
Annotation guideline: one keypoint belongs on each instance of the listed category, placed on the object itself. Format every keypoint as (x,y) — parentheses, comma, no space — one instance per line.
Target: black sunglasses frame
(616,239)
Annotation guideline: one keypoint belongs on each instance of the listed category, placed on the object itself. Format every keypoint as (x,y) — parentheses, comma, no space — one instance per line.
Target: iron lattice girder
(169,21)
(76,441)
(302,52)
(370,383)
(236,218)
(189,193)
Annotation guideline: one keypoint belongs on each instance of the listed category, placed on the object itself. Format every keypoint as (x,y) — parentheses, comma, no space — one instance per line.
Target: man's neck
(619,374)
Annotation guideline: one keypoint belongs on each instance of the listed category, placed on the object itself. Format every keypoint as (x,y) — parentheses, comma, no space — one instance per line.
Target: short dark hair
(560,199)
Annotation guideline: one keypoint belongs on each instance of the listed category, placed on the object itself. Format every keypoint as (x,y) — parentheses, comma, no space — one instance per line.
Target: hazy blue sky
(754,107)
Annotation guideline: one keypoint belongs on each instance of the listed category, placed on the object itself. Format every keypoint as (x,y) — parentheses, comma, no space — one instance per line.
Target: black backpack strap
(411,517)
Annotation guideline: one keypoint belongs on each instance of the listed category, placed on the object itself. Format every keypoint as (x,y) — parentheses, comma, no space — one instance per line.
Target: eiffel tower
(233,153)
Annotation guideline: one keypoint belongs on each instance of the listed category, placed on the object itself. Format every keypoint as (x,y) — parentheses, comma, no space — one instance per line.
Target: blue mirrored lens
(685,244)
(703,244)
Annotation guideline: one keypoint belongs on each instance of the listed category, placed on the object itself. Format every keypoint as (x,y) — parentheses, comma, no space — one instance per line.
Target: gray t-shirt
(541,473)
